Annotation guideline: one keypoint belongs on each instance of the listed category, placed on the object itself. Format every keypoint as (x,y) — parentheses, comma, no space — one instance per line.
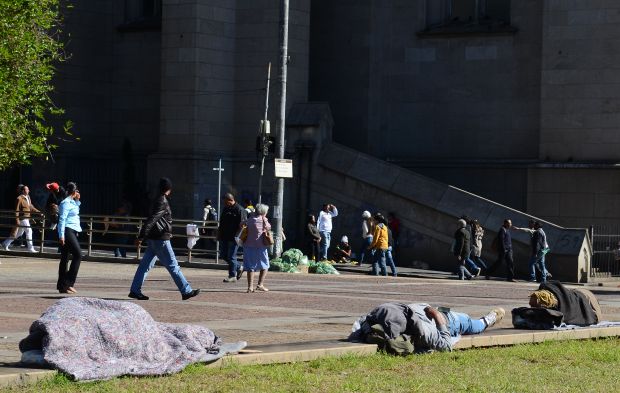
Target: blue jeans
(162,250)
(378,260)
(460,323)
(365,252)
(478,261)
(390,261)
(228,251)
(325,240)
(540,261)
(471,265)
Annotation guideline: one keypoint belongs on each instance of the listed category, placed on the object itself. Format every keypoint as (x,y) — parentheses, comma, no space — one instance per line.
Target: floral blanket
(94,339)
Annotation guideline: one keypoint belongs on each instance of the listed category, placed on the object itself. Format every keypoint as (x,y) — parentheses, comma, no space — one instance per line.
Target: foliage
(29,48)
(567,366)
(322,268)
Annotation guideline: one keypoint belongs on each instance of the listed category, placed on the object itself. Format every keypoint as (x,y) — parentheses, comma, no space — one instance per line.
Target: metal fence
(115,235)
(605,251)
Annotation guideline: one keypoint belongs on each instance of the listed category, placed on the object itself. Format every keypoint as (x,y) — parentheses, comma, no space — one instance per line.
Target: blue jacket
(68,216)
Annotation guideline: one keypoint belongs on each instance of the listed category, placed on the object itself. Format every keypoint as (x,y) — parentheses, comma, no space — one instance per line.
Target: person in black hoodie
(157,230)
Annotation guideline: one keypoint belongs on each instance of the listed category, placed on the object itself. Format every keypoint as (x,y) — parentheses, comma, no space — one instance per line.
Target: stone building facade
(516,101)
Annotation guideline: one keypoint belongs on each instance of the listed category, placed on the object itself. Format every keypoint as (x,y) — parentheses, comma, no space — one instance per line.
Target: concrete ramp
(428,210)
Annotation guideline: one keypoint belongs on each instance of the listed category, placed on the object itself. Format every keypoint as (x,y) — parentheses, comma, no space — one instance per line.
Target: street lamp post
(278,213)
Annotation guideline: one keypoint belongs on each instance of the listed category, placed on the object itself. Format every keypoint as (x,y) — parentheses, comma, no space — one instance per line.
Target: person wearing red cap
(56,194)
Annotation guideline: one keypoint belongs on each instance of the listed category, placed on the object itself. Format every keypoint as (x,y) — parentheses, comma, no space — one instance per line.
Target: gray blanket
(91,339)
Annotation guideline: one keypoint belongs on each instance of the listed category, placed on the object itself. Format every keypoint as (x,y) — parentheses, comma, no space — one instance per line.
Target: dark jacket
(505,240)
(159,224)
(231,218)
(462,243)
(312,233)
(538,242)
(576,307)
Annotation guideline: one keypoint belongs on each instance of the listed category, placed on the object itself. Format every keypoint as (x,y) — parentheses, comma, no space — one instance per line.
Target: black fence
(605,251)
(114,236)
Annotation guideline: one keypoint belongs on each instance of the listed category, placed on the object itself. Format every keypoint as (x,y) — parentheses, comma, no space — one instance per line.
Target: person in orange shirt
(379,245)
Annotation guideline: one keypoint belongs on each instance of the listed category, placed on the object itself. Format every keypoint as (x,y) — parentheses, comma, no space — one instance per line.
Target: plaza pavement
(300,311)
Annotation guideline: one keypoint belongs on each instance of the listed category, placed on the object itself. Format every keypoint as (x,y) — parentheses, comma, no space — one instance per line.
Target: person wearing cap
(367,229)
(23,211)
(343,251)
(157,230)
(56,195)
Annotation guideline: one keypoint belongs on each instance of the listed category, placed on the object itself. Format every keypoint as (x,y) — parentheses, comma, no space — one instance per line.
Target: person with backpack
(157,230)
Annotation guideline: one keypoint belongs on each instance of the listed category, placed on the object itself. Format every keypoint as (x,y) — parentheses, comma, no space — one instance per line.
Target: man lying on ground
(407,328)
(553,304)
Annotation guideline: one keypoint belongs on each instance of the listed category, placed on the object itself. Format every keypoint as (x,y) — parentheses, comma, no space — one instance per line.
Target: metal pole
(219,170)
(263,137)
(278,211)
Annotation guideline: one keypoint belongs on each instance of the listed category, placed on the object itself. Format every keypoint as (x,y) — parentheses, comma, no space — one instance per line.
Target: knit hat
(344,239)
(366,214)
(165,184)
(52,186)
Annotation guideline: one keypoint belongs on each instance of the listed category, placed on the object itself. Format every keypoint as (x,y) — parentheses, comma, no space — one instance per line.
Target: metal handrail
(90,223)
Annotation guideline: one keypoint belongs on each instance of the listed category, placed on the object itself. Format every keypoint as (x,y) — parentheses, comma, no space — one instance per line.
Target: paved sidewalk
(299,309)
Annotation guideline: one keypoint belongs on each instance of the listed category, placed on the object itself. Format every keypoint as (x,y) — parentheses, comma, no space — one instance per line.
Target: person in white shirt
(325,227)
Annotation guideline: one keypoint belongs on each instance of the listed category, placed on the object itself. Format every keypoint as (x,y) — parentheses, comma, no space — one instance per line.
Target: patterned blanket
(94,339)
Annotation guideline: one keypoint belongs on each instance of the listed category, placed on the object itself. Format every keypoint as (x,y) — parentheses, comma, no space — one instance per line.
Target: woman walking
(476,249)
(68,231)
(367,231)
(255,256)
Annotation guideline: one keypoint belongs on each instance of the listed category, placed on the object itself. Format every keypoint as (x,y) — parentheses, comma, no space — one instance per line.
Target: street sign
(284,168)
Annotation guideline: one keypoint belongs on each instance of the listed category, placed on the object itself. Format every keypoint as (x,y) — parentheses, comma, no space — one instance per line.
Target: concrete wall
(215,56)
(580,97)
(575,197)
(428,211)
(397,95)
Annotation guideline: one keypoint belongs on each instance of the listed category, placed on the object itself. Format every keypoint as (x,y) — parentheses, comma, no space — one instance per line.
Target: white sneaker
(496,315)
(5,246)
(32,250)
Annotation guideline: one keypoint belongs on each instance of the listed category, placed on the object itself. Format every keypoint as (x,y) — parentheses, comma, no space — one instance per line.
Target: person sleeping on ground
(554,304)
(403,329)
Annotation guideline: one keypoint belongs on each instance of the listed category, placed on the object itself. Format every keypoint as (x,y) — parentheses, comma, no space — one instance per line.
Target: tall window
(141,15)
(140,10)
(455,12)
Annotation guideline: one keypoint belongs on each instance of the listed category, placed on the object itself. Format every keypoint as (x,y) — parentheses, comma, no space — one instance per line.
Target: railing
(605,251)
(104,233)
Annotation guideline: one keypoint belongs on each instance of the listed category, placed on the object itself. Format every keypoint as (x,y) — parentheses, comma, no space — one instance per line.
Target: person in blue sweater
(68,231)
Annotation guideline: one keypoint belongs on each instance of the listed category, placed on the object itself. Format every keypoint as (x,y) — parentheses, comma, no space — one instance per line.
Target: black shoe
(138,296)
(191,294)
(239,274)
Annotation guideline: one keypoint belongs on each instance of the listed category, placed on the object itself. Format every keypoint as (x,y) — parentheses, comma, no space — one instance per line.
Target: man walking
(22,219)
(538,253)
(233,215)
(325,227)
(462,245)
(504,252)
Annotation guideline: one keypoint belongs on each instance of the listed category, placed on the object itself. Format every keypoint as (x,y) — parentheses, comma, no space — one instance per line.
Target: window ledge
(463,30)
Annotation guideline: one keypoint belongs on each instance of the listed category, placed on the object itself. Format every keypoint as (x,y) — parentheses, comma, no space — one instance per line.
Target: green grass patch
(564,366)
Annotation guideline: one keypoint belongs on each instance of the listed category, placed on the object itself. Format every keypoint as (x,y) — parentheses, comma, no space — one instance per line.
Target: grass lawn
(566,366)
